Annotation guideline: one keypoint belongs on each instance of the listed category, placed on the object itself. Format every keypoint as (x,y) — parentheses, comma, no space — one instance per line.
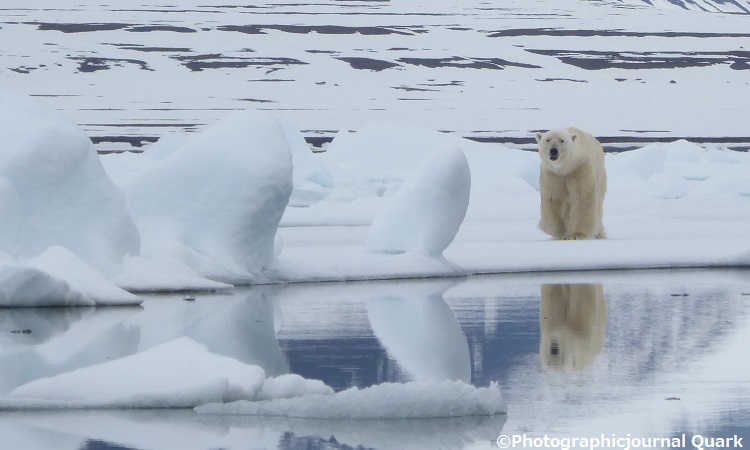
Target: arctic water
(614,354)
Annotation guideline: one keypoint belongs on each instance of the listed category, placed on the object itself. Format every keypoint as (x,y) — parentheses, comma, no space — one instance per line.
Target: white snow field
(648,71)
(730,6)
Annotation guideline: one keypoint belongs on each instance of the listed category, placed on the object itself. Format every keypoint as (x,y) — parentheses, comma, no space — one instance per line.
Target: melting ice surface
(640,353)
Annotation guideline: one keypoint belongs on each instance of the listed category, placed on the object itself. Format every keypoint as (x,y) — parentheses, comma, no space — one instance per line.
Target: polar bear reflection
(572,321)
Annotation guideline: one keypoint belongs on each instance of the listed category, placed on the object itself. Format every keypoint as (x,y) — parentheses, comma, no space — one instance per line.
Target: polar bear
(572,183)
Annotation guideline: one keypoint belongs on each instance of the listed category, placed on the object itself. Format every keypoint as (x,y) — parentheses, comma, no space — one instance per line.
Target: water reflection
(668,335)
(573,322)
(420,332)
(447,433)
(241,326)
(43,342)
(181,430)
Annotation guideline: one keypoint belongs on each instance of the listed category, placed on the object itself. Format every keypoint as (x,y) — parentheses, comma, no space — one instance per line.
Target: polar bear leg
(584,220)
(552,221)
(553,192)
(602,233)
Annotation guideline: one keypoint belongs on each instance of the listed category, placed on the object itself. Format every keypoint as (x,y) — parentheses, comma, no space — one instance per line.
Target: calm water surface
(657,354)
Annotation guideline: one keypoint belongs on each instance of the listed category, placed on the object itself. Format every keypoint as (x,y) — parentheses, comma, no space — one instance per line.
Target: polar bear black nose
(554,153)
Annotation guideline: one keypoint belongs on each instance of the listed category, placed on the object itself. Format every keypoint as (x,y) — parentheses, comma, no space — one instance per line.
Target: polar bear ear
(538,137)
(573,137)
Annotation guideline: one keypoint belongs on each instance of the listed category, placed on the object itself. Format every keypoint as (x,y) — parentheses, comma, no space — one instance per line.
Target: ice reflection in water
(668,335)
(420,332)
(43,342)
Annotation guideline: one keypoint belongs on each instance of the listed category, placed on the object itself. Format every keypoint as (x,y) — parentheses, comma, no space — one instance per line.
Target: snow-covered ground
(132,71)
(727,6)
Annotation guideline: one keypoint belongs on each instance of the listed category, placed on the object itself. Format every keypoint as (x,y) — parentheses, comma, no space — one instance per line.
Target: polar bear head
(557,149)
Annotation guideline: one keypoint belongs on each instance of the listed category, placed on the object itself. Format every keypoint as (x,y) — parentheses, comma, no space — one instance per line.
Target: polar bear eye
(548,139)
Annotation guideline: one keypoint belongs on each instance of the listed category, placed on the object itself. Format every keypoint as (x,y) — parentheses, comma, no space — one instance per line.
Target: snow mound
(426,212)
(419,399)
(214,202)
(178,374)
(388,148)
(181,373)
(378,158)
(685,159)
(23,286)
(95,289)
(141,274)
(360,171)
(57,277)
(292,385)
(651,178)
(54,191)
(642,163)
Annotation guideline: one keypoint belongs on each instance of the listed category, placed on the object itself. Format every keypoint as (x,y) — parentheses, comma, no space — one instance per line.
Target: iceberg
(214,202)
(25,286)
(427,211)
(55,192)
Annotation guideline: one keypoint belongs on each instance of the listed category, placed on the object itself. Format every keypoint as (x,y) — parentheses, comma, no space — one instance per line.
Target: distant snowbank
(724,6)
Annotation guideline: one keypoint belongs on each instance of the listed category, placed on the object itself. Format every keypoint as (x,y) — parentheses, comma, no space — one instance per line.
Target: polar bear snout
(554,154)
(554,347)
